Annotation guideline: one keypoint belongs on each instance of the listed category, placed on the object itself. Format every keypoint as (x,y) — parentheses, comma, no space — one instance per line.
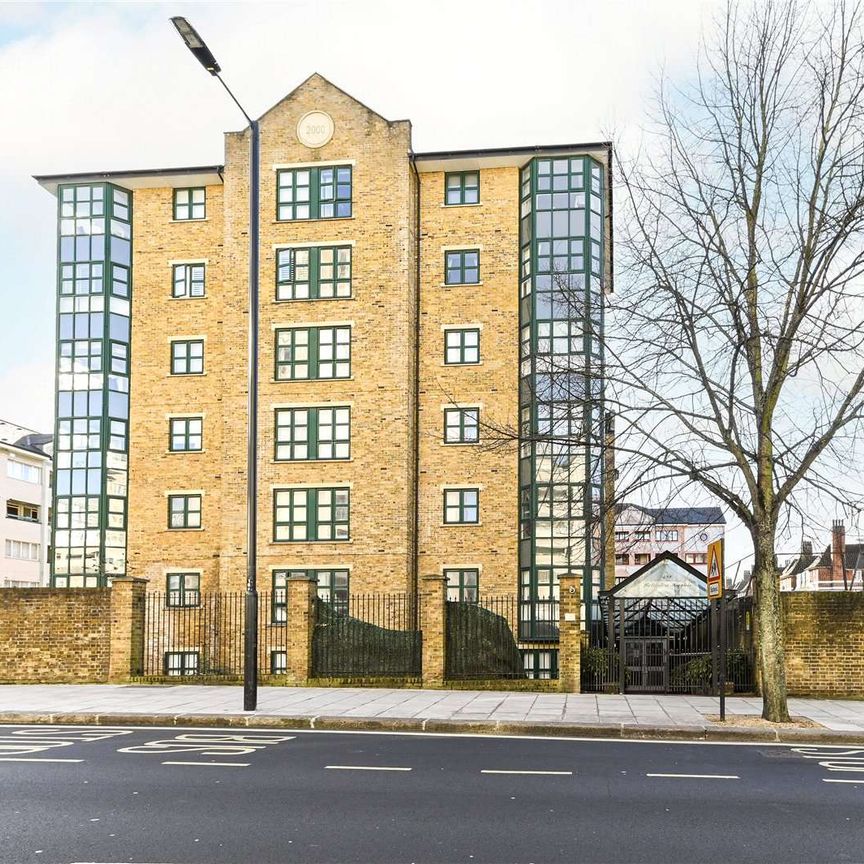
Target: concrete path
(632,714)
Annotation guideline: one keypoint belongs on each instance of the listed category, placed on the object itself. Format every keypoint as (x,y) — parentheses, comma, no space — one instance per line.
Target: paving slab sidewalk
(588,714)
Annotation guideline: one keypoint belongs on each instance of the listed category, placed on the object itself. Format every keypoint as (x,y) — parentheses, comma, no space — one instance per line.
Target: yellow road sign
(715,570)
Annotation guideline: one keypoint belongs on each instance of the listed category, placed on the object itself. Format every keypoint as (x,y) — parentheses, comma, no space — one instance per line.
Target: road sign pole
(716,592)
(722,605)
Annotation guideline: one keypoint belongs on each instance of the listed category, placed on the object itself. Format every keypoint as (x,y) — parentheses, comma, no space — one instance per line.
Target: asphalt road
(187,796)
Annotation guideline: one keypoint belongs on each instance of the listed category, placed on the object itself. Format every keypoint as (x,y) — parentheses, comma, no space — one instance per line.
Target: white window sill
(187,221)
(308,462)
(459,443)
(459,524)
(480,363)
(451,206)
(183,452)
(461,284)
(185,530)
(312,300)
(308,380)
(311,543)
(313,221)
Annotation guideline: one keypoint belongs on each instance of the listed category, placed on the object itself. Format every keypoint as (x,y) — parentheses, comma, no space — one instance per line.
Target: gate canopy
(667,575)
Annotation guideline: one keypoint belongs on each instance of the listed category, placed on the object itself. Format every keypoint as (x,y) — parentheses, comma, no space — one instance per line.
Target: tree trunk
(771,652)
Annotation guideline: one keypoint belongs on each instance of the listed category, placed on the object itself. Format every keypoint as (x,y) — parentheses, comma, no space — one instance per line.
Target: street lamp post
(250,634)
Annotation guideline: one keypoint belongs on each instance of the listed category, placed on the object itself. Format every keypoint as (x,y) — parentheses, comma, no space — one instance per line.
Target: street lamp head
(196,45)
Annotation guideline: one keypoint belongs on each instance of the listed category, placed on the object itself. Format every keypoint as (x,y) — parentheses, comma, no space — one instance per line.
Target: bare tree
(735,340)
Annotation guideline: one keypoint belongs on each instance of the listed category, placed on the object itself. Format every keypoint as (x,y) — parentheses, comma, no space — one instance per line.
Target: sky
(104,86)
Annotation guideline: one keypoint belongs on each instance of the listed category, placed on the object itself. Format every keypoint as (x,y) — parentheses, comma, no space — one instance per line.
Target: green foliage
(597,661)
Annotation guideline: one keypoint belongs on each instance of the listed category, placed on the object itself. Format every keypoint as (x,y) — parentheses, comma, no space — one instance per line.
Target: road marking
(217,764)
(555,773)
(25,759)
(564,739)
(829,780)
(364,768)
(698,776)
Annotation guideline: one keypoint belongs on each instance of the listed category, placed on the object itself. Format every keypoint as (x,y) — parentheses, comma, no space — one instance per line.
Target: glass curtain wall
(560,383)
(93,362)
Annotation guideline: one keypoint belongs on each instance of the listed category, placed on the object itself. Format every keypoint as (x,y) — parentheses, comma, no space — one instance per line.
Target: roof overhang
(151,178)
(505,157)
(28,451)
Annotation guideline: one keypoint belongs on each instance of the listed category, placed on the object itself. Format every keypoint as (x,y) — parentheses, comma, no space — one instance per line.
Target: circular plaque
(315,129)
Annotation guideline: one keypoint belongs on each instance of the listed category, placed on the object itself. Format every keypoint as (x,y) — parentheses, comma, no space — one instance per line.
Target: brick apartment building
(643,533)
(407,304)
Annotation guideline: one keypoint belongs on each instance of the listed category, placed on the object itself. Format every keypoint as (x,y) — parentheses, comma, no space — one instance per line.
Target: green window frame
(314,193)
(463,584)
(184,511)
(188,281)
(462,346)
(313,273)
(462,506)
(278,662)
(461,187)
(119,358)
(332,587)
(190,204)
(540,663)
(181,663)
(312,433)
(312,353)
(187,357)
(461,425)
(311,515)
(182,590)
(539,596)
(462,267)
(185,434)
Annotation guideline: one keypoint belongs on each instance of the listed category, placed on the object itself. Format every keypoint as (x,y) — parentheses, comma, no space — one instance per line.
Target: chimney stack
(806,549)
(838,551)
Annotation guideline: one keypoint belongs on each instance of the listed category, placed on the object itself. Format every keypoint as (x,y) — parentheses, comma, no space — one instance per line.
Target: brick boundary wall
(71,635)
(824,635)
(55,635)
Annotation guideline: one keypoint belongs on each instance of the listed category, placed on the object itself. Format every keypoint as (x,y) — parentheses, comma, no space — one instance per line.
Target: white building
(643,533)
(25,495)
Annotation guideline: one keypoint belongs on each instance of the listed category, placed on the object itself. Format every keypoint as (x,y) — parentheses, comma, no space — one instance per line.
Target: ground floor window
(540,664)
(332,588)
(462,584)
(182,589)
(181,663)
(278,662)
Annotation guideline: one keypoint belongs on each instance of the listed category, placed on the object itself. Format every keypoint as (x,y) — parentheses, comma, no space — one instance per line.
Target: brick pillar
(126,652)
(301,591)
(570,634)
(433,611)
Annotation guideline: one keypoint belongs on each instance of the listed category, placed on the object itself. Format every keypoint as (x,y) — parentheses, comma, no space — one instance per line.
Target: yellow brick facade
(492,226)
(399,386)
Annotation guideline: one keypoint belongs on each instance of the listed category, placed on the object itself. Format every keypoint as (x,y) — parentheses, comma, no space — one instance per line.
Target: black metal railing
(199,634)
(372,636)
(501,638)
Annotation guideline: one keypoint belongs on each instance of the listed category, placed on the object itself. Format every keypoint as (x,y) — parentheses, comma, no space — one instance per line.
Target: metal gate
(668,645)
(646,665)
